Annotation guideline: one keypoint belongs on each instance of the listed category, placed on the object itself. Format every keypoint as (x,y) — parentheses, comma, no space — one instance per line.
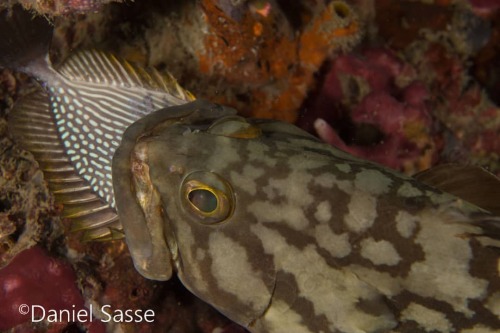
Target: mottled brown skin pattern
(315,241)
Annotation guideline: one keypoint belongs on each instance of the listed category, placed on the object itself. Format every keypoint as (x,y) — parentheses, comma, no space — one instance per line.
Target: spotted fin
(99,97)
(470,183)
(32,125)
(90,100)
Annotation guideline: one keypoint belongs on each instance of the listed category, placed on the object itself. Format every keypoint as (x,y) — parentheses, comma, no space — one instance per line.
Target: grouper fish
(274,228)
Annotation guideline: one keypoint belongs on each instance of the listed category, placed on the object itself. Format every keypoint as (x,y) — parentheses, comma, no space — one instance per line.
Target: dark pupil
(204,200)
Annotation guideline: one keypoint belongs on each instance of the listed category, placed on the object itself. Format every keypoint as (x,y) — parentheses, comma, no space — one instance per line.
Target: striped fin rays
(74,127)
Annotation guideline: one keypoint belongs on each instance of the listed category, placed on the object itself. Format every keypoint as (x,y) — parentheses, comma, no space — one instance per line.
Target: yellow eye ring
(207,197)
(204,200)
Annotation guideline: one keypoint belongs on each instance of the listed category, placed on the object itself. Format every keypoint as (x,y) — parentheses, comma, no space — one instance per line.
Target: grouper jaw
(162,245)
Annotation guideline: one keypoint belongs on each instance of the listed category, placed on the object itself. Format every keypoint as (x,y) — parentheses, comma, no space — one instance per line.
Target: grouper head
(182,189)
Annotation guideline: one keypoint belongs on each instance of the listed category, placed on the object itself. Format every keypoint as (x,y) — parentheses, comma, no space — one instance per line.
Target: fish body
(275,229)
(75,123)
(283,233)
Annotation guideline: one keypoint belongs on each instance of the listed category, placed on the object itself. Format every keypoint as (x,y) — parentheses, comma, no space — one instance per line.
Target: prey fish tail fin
(32,126)
(24,41)
(87,104)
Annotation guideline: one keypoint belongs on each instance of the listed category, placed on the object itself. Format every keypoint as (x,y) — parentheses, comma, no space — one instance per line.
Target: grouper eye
(204,200)
(207,197)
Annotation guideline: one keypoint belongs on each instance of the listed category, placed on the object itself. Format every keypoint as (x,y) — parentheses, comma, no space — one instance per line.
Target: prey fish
(283,233)
(75,123)
(275,229)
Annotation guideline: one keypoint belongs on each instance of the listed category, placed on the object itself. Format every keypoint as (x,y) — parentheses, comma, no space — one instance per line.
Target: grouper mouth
(159,244)
(147,228)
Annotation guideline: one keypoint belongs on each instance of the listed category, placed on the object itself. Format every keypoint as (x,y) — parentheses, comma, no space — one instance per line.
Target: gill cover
(148,233)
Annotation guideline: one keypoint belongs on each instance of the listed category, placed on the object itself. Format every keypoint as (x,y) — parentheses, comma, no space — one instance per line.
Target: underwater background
(407,84)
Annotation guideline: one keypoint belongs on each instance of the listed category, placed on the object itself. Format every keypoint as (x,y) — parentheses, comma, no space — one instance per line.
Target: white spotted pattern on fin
(91,100)
(32,125)
(97,99)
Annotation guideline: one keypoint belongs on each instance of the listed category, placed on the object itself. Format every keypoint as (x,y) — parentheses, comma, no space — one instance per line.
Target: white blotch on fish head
(269,191)
(428,319)
(405,223)
(345,168)
(223,154)
(362,212)
(323,212)
(294,188)
(372,181)
(289,214)
(230,263)
(280,318)
(328,180)
(337,245)
(379,252)
(258,152)
(246,179)
(493,304)
(191,256)
(407,190)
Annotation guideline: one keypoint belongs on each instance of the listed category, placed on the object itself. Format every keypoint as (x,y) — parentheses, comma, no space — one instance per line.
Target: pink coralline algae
(485,6)
(34,278)
(384,105)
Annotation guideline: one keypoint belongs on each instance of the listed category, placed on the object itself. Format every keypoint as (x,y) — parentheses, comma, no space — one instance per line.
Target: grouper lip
(157,257)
